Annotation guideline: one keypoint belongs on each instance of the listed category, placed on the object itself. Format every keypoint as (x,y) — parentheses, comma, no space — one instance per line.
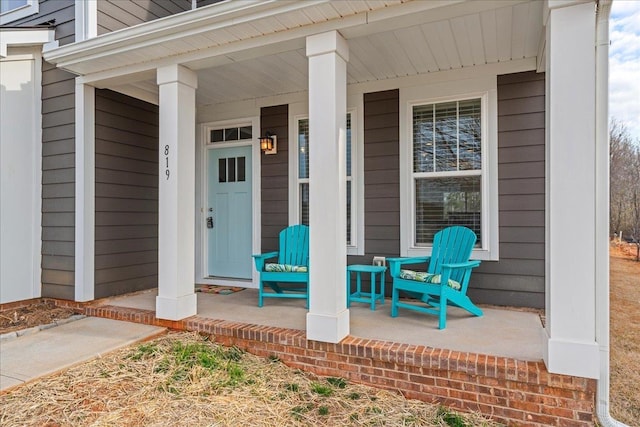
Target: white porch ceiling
(499,35)
(387,39)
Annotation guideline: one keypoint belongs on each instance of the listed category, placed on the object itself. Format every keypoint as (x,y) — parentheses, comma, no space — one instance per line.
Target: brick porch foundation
(513,392)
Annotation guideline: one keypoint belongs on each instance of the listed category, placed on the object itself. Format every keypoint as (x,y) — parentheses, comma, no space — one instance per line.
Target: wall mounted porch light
(269,143)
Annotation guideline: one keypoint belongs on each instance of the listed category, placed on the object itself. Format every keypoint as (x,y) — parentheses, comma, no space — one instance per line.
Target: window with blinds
(447,167)
(303,176)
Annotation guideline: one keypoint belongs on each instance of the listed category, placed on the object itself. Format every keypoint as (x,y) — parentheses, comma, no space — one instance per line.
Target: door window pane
(222,170)
(246,132)
(231,134)
(241,169)
(231,167)
(217,135)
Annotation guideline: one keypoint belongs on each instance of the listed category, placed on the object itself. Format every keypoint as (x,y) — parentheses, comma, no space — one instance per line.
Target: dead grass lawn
(625,335)
(182,379)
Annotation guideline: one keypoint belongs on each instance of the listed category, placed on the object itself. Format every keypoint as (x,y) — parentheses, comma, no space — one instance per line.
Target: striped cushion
(419,276)
(285,268)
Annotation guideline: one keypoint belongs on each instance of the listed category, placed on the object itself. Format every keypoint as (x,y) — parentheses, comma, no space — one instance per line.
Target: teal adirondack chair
(446,280)
(288,276)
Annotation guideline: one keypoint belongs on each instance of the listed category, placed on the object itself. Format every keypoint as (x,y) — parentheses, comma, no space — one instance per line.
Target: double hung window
(303,177)
(447,167)
(448,164)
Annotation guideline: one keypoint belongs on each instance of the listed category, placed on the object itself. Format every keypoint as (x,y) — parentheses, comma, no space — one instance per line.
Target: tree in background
(625,184)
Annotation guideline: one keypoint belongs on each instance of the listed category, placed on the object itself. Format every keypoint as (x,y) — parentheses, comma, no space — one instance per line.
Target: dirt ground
(35,314)
(625,334)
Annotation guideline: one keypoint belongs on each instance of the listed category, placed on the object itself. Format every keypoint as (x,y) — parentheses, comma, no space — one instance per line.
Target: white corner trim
(37,195)
(86,19)
(24,37)
(85,193)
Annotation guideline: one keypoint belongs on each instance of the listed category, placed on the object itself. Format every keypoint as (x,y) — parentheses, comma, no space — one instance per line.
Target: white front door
(229,212)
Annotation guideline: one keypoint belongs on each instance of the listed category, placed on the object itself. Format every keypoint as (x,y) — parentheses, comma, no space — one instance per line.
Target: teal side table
(365,297)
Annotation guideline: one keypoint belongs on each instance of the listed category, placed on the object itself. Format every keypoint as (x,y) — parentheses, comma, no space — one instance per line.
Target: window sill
(476,254)
(354,250)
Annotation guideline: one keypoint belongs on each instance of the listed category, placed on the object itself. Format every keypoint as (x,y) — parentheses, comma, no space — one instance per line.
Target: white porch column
(328,317)
(176,233)
(85,203)
(570,334)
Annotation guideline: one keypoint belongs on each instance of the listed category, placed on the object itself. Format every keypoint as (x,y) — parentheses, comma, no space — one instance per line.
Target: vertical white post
(176,225)
(328,317)
(570,334)
(85,192)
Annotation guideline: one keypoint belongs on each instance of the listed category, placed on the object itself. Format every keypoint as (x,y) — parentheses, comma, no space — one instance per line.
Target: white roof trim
(118,45)
(216,16)
(25,37)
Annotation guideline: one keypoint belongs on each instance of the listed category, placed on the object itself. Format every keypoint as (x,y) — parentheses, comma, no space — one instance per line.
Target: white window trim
(298,112)
(86,19)
(31,8)
(204,130)
(484,88)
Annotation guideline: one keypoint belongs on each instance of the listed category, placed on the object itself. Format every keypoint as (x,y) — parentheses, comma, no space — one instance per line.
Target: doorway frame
(202,186)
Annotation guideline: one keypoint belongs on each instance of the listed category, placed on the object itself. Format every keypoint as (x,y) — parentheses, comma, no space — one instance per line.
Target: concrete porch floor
(500,332)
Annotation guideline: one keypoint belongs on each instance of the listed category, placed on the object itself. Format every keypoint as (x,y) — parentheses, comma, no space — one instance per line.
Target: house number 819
(166,157)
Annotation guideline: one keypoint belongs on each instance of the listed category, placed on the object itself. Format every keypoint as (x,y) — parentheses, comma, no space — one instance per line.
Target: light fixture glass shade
(266,143)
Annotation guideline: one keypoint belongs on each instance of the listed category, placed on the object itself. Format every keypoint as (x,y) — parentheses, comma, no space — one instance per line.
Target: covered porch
(506,332)
(319,59)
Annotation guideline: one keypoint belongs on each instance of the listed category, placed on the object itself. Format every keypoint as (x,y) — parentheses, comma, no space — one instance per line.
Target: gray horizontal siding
(126,221)
(117,14)
(60,11)
(381,179)
(518,278)
(274,172)
(58,183)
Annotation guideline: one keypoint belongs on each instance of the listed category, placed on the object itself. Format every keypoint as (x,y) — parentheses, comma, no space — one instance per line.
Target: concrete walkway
(28,357)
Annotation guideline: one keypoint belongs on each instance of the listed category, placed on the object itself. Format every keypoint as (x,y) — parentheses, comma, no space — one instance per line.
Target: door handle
(209,222)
